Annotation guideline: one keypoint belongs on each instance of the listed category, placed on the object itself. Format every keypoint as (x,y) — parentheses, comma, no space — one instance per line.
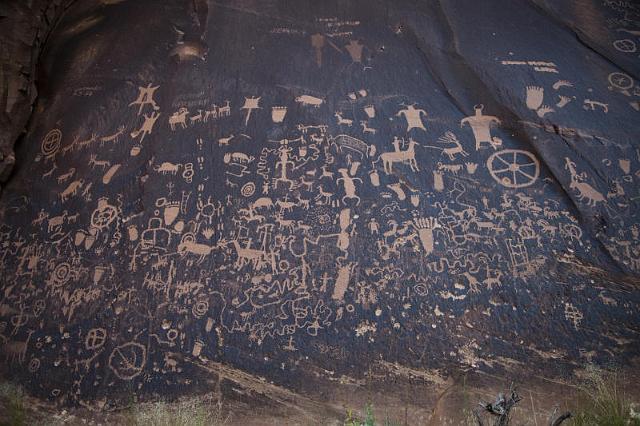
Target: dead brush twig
(502,406)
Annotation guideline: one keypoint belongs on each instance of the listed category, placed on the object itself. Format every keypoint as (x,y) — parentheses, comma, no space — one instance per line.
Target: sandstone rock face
(25,27)
(305,191)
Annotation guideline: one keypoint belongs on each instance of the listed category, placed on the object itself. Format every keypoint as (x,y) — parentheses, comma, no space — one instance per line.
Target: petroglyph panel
(309,188)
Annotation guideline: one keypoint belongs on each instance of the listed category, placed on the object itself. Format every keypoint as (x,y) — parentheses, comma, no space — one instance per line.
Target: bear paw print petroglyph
(425,226)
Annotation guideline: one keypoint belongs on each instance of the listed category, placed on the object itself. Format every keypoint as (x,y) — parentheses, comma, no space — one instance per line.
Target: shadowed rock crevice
(24,31)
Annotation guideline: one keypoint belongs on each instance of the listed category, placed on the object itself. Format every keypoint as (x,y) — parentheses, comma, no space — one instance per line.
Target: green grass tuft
(369,418)
(192,412)
(603,401)
(12,399)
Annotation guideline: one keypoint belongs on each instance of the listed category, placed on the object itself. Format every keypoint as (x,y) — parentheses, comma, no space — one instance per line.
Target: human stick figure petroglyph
(413,117)
(481,128)
(145,96)
(147,126)
(282,164)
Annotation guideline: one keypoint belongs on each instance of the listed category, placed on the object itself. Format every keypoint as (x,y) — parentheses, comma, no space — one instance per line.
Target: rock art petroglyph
(317,195)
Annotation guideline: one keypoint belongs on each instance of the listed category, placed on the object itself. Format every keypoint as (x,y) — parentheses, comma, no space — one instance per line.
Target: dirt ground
(400,397)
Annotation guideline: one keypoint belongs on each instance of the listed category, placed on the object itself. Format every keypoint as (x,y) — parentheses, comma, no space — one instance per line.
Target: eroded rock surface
(324,191)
